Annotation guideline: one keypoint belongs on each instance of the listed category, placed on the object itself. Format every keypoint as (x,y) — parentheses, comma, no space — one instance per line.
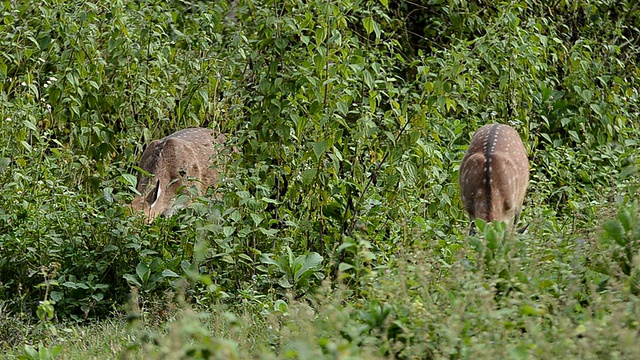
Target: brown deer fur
(494,175)
(191,154)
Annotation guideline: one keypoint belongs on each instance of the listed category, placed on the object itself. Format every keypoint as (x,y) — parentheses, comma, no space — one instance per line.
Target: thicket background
(340,232)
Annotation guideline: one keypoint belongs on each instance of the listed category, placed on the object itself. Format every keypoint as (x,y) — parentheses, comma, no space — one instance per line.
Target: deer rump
(184,155)
(494,175)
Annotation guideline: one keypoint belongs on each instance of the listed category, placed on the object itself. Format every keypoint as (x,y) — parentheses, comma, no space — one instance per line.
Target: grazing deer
(180,159)
(494,175)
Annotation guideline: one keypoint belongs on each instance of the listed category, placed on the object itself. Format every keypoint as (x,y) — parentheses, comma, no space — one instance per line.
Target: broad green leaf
(55,351)
(308,176)
(26,145)
(284,282)
(56,295)
(311,264)
(615,231)
(319,148)
(342,108)
(30,125)
(132,279)
(245,257)
(519,352)
(169,273)
(270,201)
(377,30)
(228,230)
(268,232)
(627,220)
(4,164)
(321,35)
(528,310)
(243,194)
(345,267)
(31,353)
(257,219)
(492,237)
(266,259)
(155,264)
(368,79)
(143,272)
(368,24)
(281,306)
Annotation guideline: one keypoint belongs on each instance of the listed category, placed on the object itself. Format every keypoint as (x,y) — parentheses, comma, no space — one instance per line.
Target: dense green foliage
(339,231)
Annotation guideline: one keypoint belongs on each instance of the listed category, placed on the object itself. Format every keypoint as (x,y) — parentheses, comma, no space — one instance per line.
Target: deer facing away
(183,158)
(494,175)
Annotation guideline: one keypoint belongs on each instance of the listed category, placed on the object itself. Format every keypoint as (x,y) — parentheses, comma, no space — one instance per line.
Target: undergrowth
(338,231)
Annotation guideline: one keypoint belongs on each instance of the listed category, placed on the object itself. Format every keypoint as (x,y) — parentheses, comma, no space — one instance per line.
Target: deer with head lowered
(187,157)
(494,176)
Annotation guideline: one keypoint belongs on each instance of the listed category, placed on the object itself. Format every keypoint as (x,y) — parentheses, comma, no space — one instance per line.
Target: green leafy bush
(349,119)
(622,238)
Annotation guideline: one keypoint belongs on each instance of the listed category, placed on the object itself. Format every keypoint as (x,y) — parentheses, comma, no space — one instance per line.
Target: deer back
(494,175)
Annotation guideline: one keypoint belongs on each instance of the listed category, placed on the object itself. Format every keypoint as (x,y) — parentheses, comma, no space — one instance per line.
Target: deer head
(184,158)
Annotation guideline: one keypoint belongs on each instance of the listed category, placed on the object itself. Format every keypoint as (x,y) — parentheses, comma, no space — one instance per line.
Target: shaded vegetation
(339,231)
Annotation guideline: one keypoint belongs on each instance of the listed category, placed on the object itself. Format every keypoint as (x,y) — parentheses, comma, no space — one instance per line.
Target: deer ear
(472,228)
(157,191)
(523,229)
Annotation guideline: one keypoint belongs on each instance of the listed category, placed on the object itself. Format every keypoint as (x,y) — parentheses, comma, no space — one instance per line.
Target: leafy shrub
(349,122)
(622,238)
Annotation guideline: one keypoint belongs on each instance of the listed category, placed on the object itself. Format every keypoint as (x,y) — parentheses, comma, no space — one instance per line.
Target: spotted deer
(494,175)
(185,158)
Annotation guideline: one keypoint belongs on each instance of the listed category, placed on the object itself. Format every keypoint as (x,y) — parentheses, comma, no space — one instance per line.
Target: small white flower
(8,119)
(53,79)
(23,83)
